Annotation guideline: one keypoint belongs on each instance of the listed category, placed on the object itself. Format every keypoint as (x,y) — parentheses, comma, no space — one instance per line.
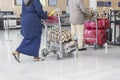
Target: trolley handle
(43,21)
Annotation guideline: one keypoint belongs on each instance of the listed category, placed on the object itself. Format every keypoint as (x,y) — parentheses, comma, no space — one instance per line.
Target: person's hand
(90,10)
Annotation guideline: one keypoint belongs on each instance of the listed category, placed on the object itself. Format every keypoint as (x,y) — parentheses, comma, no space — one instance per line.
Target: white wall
(93,4)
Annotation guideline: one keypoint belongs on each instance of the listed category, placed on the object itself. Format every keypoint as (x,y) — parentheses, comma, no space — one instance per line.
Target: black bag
(109,34)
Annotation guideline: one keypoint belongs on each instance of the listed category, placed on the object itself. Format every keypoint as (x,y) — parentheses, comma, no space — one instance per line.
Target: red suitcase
(101,24)
(90,36)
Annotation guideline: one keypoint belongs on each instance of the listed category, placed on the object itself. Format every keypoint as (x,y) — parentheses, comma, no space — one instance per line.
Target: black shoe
(82,49)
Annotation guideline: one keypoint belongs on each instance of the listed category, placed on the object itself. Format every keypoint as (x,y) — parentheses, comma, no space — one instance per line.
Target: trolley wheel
(44,52)
(54,52)
(59,55)
(95,46)
(70,54)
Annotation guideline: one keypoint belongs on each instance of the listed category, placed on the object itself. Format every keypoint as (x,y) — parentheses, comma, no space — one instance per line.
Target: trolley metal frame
(54,46)
(96,38)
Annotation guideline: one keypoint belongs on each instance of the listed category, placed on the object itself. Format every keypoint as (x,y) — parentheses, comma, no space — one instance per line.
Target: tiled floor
(88,65)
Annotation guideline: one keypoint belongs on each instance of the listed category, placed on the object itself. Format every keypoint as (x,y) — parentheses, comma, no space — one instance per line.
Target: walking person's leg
(80,33)
(73,30)
(30,47)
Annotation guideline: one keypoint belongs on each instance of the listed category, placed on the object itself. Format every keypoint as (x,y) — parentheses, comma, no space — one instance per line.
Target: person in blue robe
(31,29)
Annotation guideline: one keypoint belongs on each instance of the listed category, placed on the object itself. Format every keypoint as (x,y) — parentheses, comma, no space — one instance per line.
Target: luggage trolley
(58,48)
(95,34)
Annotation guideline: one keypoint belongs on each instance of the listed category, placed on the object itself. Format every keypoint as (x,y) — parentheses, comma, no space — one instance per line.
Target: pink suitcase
(90,36)
(101,24)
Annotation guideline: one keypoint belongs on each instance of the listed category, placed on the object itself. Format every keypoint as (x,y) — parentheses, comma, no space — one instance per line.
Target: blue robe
(31,28)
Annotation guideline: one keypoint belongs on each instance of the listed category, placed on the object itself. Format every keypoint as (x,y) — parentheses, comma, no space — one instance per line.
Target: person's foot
(37,59)
(16,55)
(82,49)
